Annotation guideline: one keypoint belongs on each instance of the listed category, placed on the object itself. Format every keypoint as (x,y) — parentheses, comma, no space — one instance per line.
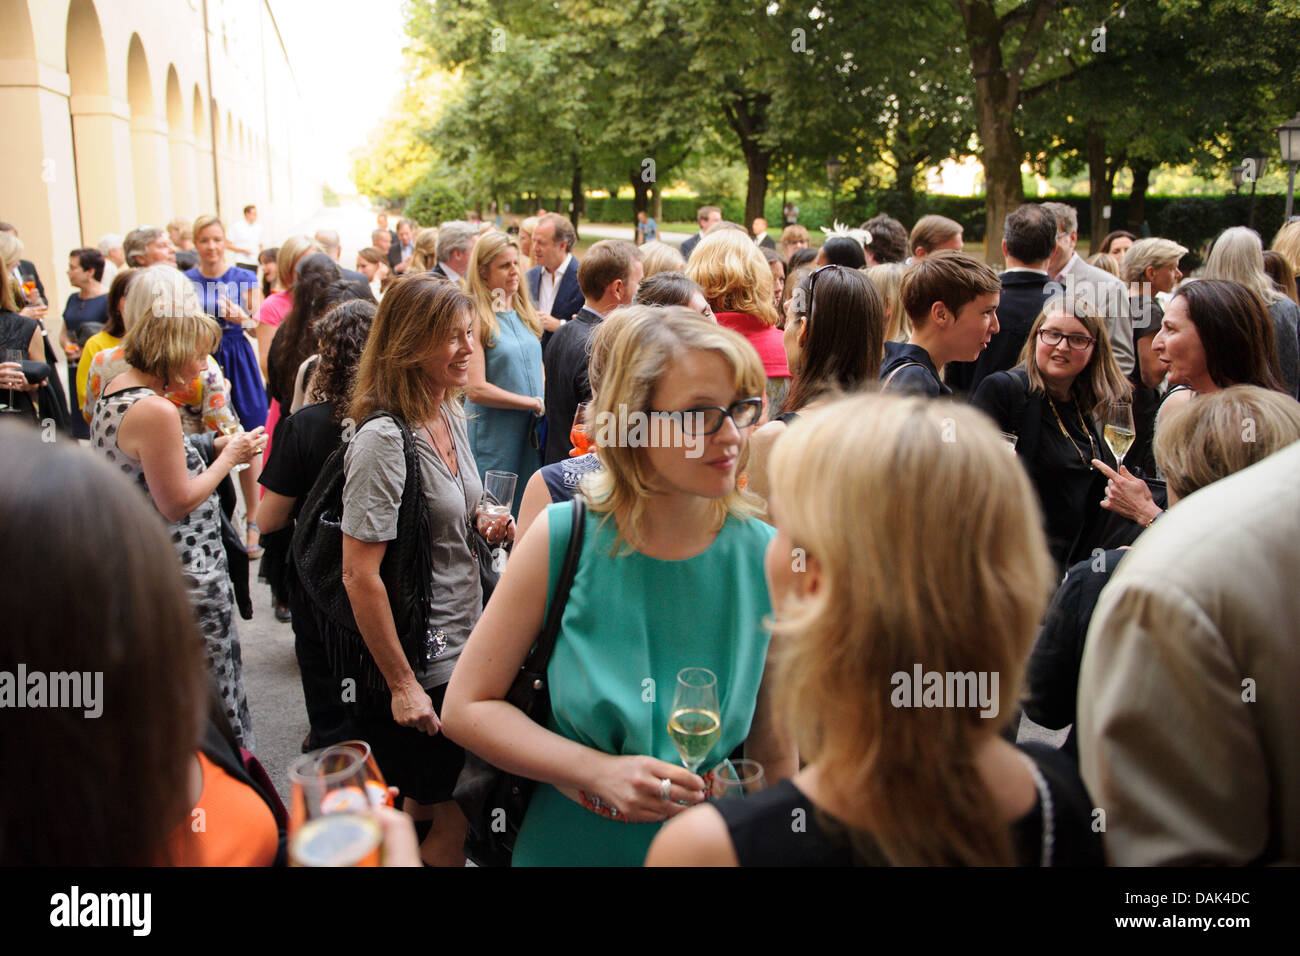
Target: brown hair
(1279,270)
(1235,331)
(419,313)
(953,278)
(134,625)
(117,290)
(563,229)
(1223,432)
(605,262)
(846,335)
(931,231)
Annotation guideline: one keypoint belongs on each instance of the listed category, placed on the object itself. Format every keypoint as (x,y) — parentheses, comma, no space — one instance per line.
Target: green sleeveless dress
(631,623)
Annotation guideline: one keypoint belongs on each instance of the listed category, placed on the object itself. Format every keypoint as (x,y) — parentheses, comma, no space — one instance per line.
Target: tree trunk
(1137,198)
(659,205)
(905,186)
(756,163)
(640,197)
(1099,186)
(575,196)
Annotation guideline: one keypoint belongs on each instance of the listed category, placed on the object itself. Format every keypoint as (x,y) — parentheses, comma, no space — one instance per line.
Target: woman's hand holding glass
(1127,495)
(634,786)
(242,447)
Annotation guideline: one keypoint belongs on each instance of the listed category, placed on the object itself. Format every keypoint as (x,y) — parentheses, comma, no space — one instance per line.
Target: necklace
(446,451)
(1091,447)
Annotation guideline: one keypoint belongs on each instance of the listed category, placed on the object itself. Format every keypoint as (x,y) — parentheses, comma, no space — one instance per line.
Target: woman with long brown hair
(898,662)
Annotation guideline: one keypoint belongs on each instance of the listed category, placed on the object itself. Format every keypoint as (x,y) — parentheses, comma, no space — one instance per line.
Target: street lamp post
(1256,162)
(1288,135)
(833,167)
(1238,177)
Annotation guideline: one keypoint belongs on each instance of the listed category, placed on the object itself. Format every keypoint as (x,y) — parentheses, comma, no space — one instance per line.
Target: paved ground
(273,686)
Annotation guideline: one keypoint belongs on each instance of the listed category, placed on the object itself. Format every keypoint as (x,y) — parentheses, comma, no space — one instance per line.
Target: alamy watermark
(77,690)
(922,688)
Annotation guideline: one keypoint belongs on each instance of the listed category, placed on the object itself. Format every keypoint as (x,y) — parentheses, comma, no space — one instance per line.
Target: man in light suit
(707,217)
(553,282)
(1097,289)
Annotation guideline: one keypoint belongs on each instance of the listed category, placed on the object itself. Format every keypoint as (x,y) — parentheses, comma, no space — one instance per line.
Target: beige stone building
(127,112)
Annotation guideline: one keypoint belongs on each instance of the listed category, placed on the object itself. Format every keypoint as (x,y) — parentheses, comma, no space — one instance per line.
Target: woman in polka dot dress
(139,431)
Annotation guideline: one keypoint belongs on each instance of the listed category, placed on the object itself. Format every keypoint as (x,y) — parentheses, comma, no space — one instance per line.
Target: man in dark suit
(707,217)
(455,244)
(553,282)
(1029,235)
(761,238)
(608,277)
(399,253)
(333,246)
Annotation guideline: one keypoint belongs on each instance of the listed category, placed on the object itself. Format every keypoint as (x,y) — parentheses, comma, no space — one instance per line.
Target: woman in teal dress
(505,395)
(670,576)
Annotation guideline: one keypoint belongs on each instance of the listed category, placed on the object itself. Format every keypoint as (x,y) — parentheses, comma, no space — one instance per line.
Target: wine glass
(1119,430)
(578,432)
(12,355)
(696,721)
(494,507)
(737,778)
(376,787)
(228,427)
(332,821)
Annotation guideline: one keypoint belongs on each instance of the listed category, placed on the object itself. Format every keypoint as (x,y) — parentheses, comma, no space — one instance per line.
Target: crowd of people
(901,506)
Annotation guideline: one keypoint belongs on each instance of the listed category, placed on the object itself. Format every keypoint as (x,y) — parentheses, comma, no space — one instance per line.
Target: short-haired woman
(667,534)
(1214,334)
(872,613)
(504,392)
(1054,403)
(1238,256)
(139,431)
(737,283)
(1150,267)
(672,288)
(658,256)
(415,361)
(835,343)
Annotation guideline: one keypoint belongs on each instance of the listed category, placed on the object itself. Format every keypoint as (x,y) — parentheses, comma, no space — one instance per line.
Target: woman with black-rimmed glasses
(669,576)
(1054,402)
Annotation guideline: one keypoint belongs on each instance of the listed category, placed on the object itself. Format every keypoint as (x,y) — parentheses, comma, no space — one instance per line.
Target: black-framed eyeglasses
(1052,338)
(812,284)
(707,419)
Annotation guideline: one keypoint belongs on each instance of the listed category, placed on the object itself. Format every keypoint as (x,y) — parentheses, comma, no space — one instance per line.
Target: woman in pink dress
(275,308)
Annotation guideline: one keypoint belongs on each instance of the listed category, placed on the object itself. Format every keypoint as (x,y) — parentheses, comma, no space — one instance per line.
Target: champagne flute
(696,721)
(13,355)
(332,820)
(737,778)
(494,508)
(1119,430)
(227,427)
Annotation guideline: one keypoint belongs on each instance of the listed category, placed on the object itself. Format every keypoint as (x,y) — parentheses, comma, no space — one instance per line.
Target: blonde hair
(1287,242)
(424,255)
(1105,262)
(485,252)
(417,315)
(734,275)
(1204,440)
(207,219)
(645,342)
(659,256)
(286,260)
(11,250)
(1238,256)
(528,225)
(888,280)
(1149,254)
(165,324)
(891,600)
(1101,382)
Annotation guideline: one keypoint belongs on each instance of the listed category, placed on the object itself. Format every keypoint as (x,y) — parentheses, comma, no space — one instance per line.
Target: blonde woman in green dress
(670,576)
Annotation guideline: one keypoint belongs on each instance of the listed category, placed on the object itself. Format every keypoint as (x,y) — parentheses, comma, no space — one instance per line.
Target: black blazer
(1023,297)
(565,362)
(688,246)
(394,255)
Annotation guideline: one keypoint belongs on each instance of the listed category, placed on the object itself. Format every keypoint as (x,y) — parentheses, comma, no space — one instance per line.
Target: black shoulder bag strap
(529,691)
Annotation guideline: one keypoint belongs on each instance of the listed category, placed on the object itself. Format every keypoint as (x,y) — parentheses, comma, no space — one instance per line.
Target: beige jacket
(1189,694)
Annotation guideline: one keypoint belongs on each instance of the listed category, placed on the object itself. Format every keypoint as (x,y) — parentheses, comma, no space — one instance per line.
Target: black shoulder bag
(493,801)
(406,569)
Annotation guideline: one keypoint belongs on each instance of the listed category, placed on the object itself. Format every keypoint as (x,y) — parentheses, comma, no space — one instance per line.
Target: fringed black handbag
(493,801)
(406,570)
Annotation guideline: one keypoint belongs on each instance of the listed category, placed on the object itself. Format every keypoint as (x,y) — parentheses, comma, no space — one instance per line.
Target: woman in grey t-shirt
(416,358)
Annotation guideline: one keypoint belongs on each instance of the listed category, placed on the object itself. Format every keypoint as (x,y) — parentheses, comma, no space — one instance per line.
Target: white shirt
(451,273)
(547,287)
(247,237)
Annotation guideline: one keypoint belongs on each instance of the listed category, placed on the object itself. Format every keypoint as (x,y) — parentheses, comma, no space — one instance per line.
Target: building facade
(123,113)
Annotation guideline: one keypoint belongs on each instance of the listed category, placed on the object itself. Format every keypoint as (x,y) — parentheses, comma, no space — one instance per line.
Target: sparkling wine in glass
(1119,430)
(696,721)
(12,355)
(228,427)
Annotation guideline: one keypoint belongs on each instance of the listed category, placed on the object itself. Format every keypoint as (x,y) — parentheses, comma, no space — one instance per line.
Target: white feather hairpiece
(862,236)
